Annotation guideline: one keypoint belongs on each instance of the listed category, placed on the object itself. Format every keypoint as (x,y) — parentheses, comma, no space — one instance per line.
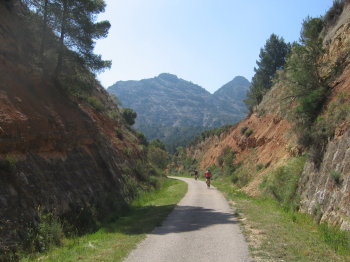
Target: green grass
(115,240)
(275,234)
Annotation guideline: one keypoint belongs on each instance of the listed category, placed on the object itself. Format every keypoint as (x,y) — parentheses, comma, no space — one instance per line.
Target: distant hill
(175,110)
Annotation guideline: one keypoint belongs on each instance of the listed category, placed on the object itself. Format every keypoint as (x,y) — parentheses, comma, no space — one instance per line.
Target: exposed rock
(321,191)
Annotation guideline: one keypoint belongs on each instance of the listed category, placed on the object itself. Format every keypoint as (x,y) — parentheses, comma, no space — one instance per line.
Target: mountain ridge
(168,101)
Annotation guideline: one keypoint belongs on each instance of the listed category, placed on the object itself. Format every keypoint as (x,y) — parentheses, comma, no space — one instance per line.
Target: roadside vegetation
(114,240)
(276,232)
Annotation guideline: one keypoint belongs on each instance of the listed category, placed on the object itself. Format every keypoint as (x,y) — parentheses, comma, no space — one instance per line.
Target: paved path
(201,228)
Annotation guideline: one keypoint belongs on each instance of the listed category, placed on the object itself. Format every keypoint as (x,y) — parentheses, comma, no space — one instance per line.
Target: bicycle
(207,181)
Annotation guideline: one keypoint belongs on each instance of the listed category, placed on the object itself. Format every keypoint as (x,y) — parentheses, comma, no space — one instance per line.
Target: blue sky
(207,42)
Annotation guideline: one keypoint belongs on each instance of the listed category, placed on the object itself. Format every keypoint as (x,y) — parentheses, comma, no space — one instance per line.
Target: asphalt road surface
(202,227)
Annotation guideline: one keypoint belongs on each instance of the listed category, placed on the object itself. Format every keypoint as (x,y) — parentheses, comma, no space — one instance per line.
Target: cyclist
(195,172)
(207,176)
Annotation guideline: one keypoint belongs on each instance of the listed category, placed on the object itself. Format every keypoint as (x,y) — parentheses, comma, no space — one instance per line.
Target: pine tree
(271,58)
(77,27)
(306,85)
(74,23)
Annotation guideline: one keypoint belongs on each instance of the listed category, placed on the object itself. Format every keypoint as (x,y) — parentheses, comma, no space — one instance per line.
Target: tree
(74,23)
(129,116)
(306,85)
(308,89)
(77,28)
(271,58)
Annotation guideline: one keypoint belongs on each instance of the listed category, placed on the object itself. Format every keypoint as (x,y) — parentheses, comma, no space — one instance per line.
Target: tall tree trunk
(62,36)
(44,32)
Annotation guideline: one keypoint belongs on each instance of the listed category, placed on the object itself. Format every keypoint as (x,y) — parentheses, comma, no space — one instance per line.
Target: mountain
(175,110)
(235,90)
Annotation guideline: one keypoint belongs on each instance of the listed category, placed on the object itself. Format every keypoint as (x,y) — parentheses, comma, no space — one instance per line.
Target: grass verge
(277,235)
(115,240)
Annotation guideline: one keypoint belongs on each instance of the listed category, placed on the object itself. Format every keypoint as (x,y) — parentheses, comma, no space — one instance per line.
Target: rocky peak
(168,77)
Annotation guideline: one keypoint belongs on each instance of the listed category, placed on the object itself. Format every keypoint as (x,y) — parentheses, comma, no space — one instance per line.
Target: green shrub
(226,158)
(336,176)
(241,175)
(243,130)
(95,103)
(142,138)
(155,181)
(113,114)
(9,163)
(282,183)
(128,151)
(158,157)
(249,132)
(119,133)
(130,185)
(46,234)
(129,116)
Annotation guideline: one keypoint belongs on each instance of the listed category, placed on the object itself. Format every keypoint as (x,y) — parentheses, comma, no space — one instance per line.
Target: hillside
(60,154)
(175,110)
(269,140)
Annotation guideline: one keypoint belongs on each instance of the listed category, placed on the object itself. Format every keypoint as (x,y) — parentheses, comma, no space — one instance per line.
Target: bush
(336,176)
(128,151)
(282,183)
(158,157)
(142,138)
(129,116)
(243,130)
(119,133)
(249,132)
(95,103)
(241,175)
(48,233)
(113,114)
(9,163)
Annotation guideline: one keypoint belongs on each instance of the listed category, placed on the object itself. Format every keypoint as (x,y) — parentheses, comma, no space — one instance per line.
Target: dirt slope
(272,143)
(56,152)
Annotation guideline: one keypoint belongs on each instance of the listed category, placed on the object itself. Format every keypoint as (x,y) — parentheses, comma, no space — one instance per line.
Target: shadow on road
(191,218)
(183,219)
